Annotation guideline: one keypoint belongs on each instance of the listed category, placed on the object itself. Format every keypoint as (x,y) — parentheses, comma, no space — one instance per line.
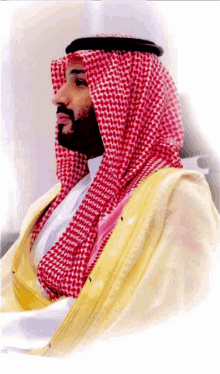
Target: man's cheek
(85,110)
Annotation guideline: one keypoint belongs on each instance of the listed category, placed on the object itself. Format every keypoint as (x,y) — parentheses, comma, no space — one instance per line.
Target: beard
(83,136)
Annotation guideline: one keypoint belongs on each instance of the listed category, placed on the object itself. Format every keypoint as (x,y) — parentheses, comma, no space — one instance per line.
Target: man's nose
(61,96)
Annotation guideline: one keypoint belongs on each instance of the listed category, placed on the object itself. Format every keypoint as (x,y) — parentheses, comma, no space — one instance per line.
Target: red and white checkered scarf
(138,114)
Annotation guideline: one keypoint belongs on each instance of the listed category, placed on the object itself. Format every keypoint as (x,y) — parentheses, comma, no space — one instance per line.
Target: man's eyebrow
(75,71)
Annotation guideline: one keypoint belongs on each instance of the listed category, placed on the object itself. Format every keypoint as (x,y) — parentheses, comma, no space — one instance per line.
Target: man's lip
(63,115)
(62,118)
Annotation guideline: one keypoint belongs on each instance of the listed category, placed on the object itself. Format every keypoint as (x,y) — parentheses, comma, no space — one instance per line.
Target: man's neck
(95,150)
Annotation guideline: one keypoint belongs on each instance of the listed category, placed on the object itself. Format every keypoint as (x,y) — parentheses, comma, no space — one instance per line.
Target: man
(124,237)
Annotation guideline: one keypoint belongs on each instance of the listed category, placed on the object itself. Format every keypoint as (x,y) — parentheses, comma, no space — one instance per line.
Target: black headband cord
(114,43)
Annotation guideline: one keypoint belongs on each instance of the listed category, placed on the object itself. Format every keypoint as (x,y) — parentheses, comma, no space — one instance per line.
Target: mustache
(63,109)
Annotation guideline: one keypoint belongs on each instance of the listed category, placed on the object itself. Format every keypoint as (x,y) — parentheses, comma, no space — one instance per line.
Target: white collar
(93,165)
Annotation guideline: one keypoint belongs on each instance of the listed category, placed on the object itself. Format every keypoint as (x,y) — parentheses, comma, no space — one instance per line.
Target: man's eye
(81,83)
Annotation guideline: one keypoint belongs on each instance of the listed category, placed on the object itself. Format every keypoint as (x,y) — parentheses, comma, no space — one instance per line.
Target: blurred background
(34,33)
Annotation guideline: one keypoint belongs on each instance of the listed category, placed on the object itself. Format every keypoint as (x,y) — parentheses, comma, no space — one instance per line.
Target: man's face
(78,127)
(74,95)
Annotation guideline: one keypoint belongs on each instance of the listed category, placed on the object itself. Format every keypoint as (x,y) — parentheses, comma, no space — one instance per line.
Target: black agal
(113,43)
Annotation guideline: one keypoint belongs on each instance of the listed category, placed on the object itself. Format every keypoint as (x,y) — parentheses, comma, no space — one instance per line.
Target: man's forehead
(75,60)
(74,65)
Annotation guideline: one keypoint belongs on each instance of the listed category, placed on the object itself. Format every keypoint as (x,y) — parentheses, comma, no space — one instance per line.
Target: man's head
(77,124)
(78,127)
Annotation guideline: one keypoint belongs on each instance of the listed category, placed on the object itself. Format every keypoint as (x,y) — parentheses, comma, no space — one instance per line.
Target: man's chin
(70,142)
(67,128)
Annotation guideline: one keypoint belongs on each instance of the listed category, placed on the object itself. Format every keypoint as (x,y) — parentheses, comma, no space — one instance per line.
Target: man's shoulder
(174,179)
(41,203)
(48,196)
(159,189)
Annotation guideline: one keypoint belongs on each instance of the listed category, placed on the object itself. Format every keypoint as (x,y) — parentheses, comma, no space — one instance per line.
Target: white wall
(194,28)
